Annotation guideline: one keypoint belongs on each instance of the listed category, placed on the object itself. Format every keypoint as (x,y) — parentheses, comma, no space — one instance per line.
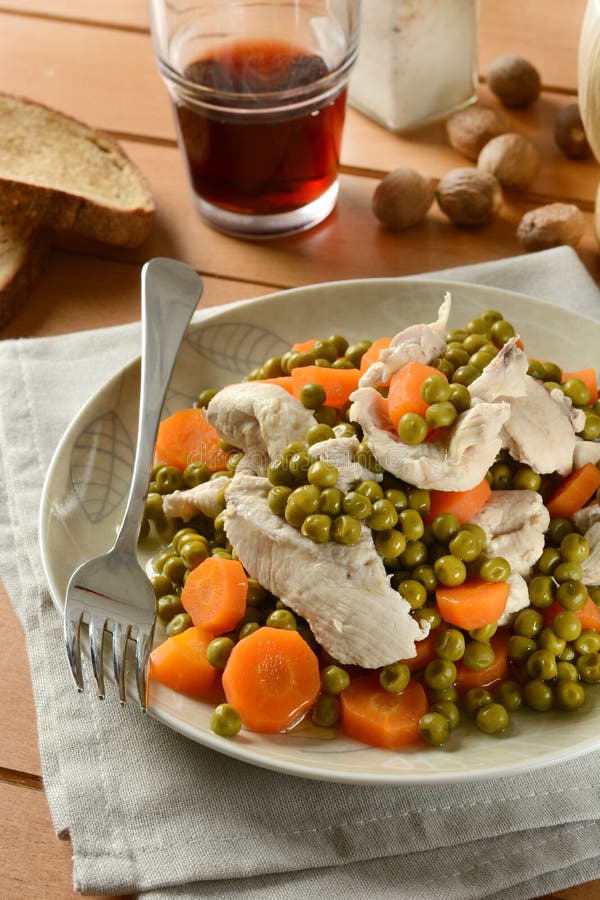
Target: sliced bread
(22,257)
(58,172)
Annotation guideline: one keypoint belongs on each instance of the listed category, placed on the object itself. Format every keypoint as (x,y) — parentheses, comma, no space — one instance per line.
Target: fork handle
(170,293)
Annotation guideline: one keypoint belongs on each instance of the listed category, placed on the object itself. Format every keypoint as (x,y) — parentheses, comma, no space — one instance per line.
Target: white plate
(86,486)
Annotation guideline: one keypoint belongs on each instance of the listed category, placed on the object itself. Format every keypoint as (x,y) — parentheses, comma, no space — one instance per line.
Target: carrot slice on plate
(589,378)
(338,383)
(372,354)
(473,604)
(471,678)
(180,663)
(462,504)
(404,395)
(589,614)
(379,718)
(574,492)
(188,437)
(214,594)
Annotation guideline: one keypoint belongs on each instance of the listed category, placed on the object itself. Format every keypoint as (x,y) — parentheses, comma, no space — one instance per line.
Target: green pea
(279,474)
(568,654)
(168,479)
(225,720)
(536,369)
(538,695)
(153,508)
(591,429)
(478,656)
(481,359)
(440,674)
(541,664)
(168,606)
(412,429)
(448,710)
(383,516)
(568,695)
(465,375)
(247,628)
(456,355)
(174,569)
(588,666)
(428,615)
(326,711)
(370,489)
(444,527)
(577,391)
(492,718)
(541,591)
(558,528)
(502,475)
(218,651)
(594,594)
(552,372)
(548,561)
(330,501)
(574,548)
(494,570)
(434,728)
(282,618)
(325,350)
(357,505)
(420,500)
(193,553)
(449,695)
(413,591)
(450,571)
(195,474)
(411,524)
(501,333)
(479,326)
(414,554)
(444,366)
(465,545)
(323,474)
(317,527)
(456,334)
(334,679)
(397,498)
(345,530)
(319,432)
(510,695)
(161,584)
(440,415)
(566,671)
(277,498)
(435,389)
(339,342)
(475,699)
(312,396)
(390,544)
(256,593)
(460,398)
(305,499)
(450,644)
(326,416)
(356,351)
(587,642)
(485,633)
(204,398)
(426,575)
(525,479)
(528,622)
(179,623)
(548,640)
(520,647)
(572,594)
(394,678)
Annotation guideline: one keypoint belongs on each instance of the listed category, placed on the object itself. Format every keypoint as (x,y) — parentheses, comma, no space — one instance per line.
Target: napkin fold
(153,813)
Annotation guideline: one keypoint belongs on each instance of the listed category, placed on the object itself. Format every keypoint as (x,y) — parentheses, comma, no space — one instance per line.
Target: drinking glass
(258,89)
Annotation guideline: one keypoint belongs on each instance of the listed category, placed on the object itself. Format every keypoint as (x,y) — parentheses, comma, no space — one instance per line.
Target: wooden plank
(547,34)
(34,863)
(81,292)
(131,14)
(18,730)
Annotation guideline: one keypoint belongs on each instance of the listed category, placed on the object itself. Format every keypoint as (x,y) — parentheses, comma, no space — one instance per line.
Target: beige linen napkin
(149,811)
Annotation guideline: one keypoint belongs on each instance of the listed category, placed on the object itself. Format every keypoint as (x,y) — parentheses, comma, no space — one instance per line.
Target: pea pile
(552,656)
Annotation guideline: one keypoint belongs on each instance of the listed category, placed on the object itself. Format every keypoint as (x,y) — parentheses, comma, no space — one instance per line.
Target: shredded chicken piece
(342,591)
(515,523)
(585,452)
(341,453)
(202,498)
(418,343)
(456,464)
(584,518)
(591,565)
(518,598)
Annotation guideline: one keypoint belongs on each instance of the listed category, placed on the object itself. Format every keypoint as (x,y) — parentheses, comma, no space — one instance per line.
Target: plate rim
(242,752)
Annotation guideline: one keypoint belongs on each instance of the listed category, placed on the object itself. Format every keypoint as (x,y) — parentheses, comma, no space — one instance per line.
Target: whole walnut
(469,196)
(403,198)
(514,80)
(470,129)
(512,158)
(551,226)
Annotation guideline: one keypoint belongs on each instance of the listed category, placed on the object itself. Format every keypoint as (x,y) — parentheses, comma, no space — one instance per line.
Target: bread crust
(17,283)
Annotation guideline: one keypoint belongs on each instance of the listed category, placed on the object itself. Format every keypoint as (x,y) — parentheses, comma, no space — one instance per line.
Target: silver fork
(111,592)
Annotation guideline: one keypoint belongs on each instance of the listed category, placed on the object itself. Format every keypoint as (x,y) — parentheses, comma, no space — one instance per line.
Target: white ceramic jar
(417,61)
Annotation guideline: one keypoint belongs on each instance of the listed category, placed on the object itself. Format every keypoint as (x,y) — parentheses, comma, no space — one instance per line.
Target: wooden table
(94,61)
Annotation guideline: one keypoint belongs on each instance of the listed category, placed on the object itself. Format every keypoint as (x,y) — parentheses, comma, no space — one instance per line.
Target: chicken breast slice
(515,523)
(457,464)
(540,431)
(591,565)
(518,598)
(201,498)
(585,452)
(418,343)
(260,419)
(585,517)
(342,591)
(341,453)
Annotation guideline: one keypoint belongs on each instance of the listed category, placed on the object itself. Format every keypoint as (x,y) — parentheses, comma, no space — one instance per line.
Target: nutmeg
(403,198)
(471,128)
(551,226)
(569,132)
(512,158)
(514,80)
(469,196)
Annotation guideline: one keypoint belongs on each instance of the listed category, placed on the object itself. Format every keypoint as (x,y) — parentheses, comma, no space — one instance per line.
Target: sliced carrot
(473,604)
(272,678)
(372,354)
(338,383)
(470,678)
(574,492)
(462,504)
(404,395)
(425,652)
(214,594)
(188,437)
(284,381)
(181,664)
(304,346)
(376,717)
(589,614)
(589,378)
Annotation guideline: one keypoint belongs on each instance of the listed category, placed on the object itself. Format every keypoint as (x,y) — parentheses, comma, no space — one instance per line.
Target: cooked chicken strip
(418,343)
(455,465)
(586,517)
(540,432)
(202,498)
(341,453)
(591,565)
(518,598)
(585,452)
(260,419)
(343,592)
(515,523)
